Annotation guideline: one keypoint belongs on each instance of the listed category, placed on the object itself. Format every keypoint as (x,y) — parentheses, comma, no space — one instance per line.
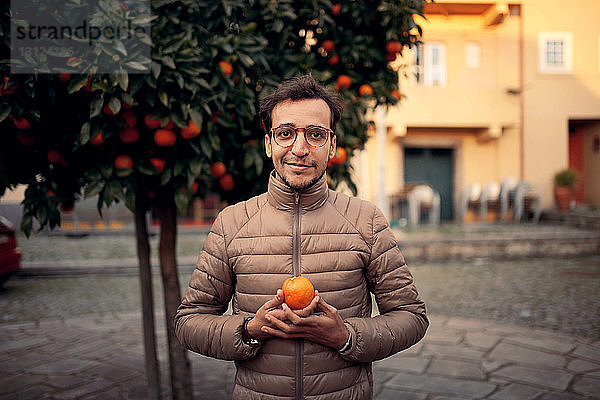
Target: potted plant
(565,182)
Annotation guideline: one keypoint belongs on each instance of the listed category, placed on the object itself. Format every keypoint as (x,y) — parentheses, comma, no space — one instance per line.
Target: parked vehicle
(10,254)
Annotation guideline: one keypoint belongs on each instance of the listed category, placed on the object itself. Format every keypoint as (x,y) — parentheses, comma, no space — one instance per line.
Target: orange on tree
(344,81)
(195,187)
(333,60)
(335,10)
(217,169)
(165,137)
(22,123)
(25,138)
(67,207)
(123,162)
(298,292)
(130,119)
(328,45)
(226,181)
(169,125)
(396,94)
(129,135)
(152,123)
(159,164)
(190,131)
(55,156)
(365,90)
(97,140)
(393,47)
(64,77)
(226,68)
(340,156)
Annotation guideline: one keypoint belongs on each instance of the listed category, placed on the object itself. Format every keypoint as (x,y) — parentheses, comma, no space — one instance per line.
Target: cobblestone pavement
(101,357)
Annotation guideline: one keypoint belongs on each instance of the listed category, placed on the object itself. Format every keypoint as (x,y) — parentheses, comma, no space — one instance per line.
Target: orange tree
(188,126)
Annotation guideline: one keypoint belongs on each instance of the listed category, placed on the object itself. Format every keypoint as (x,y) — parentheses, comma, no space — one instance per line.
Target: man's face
(300,165)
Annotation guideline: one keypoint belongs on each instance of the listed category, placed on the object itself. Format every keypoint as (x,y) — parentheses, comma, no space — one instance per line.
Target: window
(473,55)
(555,52)
(430,64)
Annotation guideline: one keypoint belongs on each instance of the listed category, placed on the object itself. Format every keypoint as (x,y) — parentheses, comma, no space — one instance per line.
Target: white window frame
(434,64)
(544,39)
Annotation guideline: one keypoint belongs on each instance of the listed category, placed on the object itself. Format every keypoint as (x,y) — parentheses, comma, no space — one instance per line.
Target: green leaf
(145,170)
(166,176)
(123,79)
(136,65)
(181,200)
(164,98)
(96,105)
(195,167)
(178,168)
(120,47)
(155,68)
(5,110)
(84,133)
(115,105)
(246,59)
(77,82)
(92,189)
(205,146)
(196,117)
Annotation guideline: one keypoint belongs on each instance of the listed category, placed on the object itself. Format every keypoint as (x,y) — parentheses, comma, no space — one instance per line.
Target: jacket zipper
(296,266)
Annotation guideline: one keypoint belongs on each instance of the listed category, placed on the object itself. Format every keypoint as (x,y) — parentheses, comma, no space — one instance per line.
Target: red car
(10,255)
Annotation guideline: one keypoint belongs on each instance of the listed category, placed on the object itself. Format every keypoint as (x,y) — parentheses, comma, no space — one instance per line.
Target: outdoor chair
(507,189)
(469,200)
(526,202)
(490,198)
(423,199)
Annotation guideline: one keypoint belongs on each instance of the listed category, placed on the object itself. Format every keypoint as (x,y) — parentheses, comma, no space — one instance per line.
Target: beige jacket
(345,247)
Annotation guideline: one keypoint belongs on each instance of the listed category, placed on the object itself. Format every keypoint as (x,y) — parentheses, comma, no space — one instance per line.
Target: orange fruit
(170,125)
(195,187)
(328,45)
(158,163)
(389,57)
(129,135)
(393,46)
(190,131)
(130,119)
(340,156)
(25,139)
(67,207)
(298,292)
(50,193)
(227,182)
(64,77)
(396,94)
(152,123)
(22,123)
(165,137)
(344,81)
(217,169)
(335,10)
(123,162)
(226,68)
(333,60)
(365,90)
(55,156)
(97,140)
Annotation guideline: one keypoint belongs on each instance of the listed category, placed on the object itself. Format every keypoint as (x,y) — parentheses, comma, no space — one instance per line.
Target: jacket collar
(282,197)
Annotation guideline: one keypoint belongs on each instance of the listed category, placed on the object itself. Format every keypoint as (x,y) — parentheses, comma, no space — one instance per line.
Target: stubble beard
(300,186)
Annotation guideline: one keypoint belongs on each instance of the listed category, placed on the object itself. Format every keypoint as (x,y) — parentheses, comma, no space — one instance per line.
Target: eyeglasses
(315,136)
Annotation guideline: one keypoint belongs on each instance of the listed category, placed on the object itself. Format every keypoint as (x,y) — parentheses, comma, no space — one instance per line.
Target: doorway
(434,166)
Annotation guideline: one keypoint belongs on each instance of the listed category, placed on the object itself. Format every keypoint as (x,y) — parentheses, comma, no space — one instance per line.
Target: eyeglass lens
(314,135)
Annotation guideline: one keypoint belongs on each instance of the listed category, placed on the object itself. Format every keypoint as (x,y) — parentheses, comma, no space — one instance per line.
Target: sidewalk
(101,357)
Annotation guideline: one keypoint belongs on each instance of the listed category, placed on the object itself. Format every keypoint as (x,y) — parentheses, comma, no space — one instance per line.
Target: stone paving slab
(101,357)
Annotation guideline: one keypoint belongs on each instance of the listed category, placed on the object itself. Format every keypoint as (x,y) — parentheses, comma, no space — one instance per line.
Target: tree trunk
(143,251)
(181,382)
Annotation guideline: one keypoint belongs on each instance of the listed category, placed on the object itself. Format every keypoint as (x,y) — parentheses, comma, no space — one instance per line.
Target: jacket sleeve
(402,321)
(199,322)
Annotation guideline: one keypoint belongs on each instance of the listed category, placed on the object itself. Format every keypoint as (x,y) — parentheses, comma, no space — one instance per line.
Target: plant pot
(563,195)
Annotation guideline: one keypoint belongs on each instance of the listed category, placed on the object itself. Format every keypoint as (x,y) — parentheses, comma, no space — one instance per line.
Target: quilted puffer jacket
(345,247)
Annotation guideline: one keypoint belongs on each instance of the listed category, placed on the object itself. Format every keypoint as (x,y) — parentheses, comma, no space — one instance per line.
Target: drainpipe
(522,94)
(381,198)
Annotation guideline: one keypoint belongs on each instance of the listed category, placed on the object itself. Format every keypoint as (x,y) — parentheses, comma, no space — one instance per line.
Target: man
(300,227)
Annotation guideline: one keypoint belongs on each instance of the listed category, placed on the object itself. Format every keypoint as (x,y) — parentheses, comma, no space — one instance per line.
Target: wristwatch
(246,338)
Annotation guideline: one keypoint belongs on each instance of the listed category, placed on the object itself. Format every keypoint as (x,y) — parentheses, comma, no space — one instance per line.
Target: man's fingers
(327,308)
(310,308)
(275,302)
(279,324)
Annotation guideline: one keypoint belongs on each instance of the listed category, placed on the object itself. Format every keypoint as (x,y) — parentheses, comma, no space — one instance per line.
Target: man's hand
(327,329)
(273,308)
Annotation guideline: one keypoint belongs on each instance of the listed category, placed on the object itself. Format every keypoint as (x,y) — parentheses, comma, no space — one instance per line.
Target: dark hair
(300,88)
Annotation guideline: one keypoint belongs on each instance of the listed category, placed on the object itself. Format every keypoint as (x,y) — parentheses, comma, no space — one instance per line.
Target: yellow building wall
(591,161)
(550,100)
